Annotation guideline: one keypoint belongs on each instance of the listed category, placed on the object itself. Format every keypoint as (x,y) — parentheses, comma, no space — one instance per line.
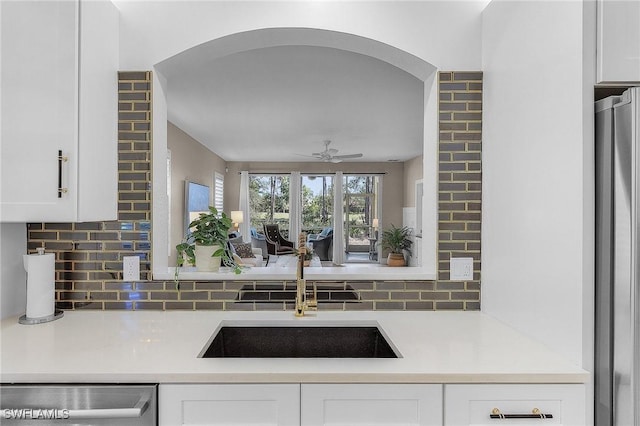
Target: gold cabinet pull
(61,159)
(535,414)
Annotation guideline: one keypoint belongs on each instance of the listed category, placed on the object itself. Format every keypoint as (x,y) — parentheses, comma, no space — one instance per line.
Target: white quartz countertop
(163,347)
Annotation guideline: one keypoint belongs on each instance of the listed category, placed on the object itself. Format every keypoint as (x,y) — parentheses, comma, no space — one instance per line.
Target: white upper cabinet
(59,95)
(618,49)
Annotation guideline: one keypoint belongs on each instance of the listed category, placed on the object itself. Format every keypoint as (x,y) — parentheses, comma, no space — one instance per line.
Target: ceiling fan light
(329,154)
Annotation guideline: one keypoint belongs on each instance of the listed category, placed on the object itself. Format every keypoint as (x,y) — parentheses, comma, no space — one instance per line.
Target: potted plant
(397,241)
(205,245)
(307,256)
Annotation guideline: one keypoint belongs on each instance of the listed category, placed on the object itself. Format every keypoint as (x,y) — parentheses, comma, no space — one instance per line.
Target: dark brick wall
(460,182)
(89,255)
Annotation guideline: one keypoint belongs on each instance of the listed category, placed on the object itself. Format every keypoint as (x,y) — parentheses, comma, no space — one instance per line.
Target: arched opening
(203,54)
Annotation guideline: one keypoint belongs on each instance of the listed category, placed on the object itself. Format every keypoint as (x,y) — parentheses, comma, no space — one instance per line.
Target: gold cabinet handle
(61,159)
(535,414)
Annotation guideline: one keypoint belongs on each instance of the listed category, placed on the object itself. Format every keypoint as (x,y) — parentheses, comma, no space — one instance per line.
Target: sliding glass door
(269,201)
(361,196)
(317,203)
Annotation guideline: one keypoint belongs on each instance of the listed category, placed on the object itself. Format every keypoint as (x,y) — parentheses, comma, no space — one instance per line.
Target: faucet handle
(312,302)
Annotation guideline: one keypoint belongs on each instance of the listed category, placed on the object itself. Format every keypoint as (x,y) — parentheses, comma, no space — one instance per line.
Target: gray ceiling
(281,103)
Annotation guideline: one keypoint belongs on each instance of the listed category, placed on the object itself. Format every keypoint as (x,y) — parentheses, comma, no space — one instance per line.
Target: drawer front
(229,404)
(514,405)
(371,404)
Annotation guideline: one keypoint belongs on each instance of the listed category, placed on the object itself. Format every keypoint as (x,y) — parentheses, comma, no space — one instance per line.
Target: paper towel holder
(31,321)
(57,313)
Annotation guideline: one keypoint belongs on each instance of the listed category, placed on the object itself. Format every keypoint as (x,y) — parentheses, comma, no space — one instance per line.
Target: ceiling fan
(329,154)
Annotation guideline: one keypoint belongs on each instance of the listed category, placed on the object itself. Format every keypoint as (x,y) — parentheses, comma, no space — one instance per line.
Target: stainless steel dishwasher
(122,405)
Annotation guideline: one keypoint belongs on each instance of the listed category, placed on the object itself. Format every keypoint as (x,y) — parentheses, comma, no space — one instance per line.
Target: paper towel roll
(40,284)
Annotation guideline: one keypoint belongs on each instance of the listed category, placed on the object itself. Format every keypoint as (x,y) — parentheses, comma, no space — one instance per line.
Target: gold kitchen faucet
(304,301)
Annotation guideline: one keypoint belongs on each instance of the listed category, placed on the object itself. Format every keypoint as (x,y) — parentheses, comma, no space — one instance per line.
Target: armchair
(311,238)
(276,244)
(323,246)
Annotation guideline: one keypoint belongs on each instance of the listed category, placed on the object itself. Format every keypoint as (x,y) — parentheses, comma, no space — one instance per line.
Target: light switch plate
(461,268)
(131,268)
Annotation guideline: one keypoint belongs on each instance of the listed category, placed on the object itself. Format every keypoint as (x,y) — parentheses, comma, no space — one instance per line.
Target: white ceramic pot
(204,260)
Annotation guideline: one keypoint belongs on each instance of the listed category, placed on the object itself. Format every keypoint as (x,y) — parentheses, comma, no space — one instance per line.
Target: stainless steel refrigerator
(617,339)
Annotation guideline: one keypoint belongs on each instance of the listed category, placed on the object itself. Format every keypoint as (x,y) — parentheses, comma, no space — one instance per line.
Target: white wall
(537,224)
(412,172)
(443,33)
(190,160)
(13,278)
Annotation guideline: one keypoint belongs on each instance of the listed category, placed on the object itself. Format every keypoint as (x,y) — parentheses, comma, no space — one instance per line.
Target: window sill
(348,272)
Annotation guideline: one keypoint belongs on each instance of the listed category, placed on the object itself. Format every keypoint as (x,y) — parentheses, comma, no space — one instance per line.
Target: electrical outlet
(461,268)
(131,268)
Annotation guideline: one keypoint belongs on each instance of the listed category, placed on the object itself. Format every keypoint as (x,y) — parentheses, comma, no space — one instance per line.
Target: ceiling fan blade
(332,151)
(348,156)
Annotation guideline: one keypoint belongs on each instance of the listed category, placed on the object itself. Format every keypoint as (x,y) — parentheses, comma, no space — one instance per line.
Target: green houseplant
(397,241)
(205,245)
(307,256)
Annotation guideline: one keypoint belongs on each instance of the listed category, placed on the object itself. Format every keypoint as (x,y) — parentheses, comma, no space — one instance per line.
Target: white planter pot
(204,260)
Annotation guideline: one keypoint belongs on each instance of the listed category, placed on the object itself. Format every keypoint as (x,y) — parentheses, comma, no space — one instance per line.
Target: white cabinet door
(229,404)
(618,49)
(39,104)
(371,404)
(474,404)
(59,94)
(98,112)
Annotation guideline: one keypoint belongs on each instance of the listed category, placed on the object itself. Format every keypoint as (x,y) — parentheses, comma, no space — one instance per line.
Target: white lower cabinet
(371,404)
(295,404)
(229,404)
(473,404)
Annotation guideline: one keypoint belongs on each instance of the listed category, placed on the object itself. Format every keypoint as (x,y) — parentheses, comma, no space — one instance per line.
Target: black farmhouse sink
(299,342)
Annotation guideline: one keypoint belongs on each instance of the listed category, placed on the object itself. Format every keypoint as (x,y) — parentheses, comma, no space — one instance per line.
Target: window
(269,201)
(218,192)
(361,194)
(317,203)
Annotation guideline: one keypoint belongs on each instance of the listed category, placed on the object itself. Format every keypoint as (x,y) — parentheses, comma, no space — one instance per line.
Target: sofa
(240,252)
(255,261)
(259,241)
